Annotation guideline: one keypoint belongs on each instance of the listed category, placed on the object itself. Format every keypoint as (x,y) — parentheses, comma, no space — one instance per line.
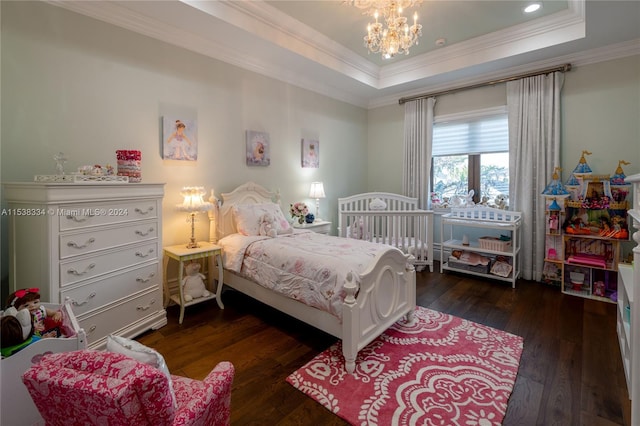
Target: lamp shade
(193,200)
(317,190)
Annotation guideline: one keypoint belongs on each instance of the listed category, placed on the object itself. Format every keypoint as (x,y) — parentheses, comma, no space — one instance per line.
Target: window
(471,152)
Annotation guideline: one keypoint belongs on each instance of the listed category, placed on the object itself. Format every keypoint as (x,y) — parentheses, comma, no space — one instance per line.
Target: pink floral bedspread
(305,266)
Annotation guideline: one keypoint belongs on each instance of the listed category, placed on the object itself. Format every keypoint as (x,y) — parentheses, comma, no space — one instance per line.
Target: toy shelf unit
(482,241)
(594,226)
(590,266)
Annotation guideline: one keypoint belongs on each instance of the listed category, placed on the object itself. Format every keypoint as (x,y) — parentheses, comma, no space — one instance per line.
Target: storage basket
(494,243)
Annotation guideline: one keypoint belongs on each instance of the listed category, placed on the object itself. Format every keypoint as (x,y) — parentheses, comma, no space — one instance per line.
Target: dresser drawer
(100,324)
(111,289)
(73,244)
(76,270)
(95,214)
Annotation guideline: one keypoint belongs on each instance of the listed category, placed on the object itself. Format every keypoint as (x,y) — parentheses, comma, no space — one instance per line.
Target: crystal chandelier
(398,36)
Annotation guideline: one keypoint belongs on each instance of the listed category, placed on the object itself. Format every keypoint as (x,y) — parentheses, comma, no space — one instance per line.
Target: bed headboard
(221,222)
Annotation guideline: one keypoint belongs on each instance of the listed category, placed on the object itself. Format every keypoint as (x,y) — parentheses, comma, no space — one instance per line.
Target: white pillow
(247,218)
(142,353)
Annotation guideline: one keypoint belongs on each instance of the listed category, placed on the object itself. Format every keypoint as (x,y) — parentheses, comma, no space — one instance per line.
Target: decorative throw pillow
(142,353)
(247,218)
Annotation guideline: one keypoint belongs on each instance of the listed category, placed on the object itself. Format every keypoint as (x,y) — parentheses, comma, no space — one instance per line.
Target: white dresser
(97,245)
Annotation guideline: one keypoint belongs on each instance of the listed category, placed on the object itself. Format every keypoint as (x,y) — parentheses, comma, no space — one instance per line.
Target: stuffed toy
(46,322)
(193,284)
(501,201)
(268,225)
(468,199)
(16,330)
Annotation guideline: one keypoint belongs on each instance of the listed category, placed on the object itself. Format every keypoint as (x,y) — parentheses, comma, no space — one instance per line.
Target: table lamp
(317,192)
(193,203)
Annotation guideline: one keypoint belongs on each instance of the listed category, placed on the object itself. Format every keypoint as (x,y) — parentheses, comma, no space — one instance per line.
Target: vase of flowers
(298,211)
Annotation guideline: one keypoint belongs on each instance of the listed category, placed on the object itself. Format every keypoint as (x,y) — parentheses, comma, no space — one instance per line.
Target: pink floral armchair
(96,387)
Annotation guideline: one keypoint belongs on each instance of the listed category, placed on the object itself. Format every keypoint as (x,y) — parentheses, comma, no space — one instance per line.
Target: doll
(16,331)
(45,321)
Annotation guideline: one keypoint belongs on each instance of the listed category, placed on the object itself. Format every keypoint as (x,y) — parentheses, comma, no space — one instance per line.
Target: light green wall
(601,114)
(86,88)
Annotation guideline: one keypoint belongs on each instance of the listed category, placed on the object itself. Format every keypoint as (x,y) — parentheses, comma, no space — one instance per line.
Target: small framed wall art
(310,153)
(179,139)
(258,148)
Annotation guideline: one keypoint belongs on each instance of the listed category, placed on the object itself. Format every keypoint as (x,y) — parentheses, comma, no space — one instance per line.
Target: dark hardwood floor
(570,371)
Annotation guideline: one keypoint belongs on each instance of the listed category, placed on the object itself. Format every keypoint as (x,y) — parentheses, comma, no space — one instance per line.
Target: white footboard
(375,300)
(389,219)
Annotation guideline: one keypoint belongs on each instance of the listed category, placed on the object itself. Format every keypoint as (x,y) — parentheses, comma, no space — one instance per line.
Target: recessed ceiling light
(532,7)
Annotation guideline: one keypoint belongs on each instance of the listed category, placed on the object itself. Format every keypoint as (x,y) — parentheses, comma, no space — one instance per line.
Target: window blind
(471,136)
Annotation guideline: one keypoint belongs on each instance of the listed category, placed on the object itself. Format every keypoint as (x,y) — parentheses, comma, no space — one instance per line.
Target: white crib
(391,219)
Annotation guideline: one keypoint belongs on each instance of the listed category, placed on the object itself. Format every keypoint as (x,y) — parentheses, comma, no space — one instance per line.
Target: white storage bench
(16,405)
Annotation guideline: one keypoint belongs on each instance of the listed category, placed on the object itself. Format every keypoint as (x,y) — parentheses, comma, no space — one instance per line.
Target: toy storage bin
(494,243)
(17,407)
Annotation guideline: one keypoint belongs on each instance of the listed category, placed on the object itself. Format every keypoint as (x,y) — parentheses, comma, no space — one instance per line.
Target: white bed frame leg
(410,318)
(351,320)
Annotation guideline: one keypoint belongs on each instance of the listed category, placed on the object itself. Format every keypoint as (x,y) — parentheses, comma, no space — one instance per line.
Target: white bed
(387,218)
(376,294)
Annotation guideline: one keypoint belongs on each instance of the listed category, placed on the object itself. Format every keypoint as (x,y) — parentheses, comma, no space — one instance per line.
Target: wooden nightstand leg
(181,292)
(219,286)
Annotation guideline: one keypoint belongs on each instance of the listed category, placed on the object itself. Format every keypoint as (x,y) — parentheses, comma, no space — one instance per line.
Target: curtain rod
(561,68)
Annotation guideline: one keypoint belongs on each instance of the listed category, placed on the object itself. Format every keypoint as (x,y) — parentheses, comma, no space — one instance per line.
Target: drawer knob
(75,245)
(140,211)
(140,254)
(145,280)
(92,328)
(144,234)
(75,303)
(76,273)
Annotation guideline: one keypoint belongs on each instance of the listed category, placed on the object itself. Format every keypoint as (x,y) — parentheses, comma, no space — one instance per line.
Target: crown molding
(291,34)
(291,40)
(578,59)
(561,27)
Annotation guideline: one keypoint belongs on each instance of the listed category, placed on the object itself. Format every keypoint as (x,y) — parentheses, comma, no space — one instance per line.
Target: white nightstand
(183,254)
(318,226)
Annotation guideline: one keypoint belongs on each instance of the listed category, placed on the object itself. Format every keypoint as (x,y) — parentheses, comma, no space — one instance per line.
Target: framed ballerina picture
(310,153)
(179,139)
(258,148)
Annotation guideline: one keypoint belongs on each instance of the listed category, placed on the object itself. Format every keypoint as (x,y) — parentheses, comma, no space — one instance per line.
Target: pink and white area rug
(442,370)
